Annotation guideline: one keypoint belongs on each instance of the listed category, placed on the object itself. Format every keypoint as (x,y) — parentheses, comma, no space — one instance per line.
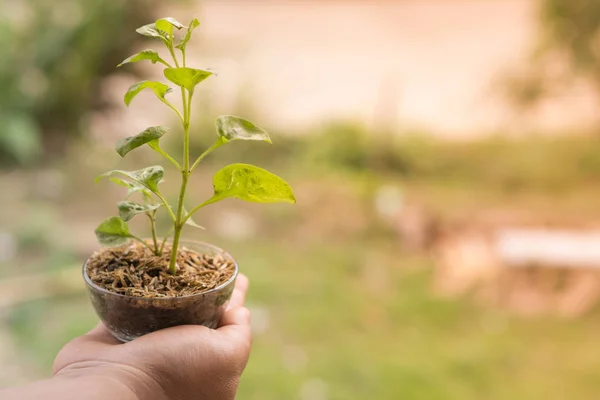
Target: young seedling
(242,181)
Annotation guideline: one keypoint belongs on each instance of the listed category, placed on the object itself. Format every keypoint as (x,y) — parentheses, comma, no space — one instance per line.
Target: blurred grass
(388,342)
(341,310)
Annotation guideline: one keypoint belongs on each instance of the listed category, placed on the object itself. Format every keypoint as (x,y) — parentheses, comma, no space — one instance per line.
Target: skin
(184,362)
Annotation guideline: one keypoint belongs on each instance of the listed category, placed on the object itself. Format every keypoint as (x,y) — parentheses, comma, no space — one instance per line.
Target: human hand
(183,362)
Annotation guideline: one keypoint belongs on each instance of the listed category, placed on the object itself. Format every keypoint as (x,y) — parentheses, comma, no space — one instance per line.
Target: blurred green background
(342,298)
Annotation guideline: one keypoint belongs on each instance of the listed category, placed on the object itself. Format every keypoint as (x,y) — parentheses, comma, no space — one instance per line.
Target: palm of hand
(184,362)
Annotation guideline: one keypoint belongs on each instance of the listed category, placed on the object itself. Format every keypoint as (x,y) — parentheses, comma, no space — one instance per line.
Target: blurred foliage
(341,144)
(573,27)
(53,57)
(532,163)
(570,36)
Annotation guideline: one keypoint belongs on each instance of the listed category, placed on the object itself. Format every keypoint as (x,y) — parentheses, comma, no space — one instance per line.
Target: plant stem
(173,108)
(166,204)
(178,225)
(173,55)
(185,173)
(142,242)
(209,150)
(167,156)
(199,206)
(162,246)
(152,217)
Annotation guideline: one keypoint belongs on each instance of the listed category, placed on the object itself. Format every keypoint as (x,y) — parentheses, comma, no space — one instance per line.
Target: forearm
(76,385)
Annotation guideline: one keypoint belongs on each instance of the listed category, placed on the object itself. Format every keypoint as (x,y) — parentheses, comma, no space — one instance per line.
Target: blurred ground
(426,65)
(341,308)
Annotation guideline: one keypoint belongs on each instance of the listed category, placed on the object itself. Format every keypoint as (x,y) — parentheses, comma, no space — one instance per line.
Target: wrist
(108,380)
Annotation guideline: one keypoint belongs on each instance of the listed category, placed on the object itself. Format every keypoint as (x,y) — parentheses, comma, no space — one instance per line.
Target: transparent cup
(128,317)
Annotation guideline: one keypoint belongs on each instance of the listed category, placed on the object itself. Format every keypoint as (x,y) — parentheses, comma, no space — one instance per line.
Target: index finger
(238,297)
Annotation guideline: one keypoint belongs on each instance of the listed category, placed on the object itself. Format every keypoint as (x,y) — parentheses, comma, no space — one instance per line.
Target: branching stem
(166,204)
(143,242)
(178,222)
(152,217)
(207,152)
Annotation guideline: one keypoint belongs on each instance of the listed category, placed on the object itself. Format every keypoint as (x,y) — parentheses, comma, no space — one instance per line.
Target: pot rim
(91,284)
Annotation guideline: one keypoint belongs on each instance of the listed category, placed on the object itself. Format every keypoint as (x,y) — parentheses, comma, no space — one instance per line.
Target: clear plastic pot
(128,317)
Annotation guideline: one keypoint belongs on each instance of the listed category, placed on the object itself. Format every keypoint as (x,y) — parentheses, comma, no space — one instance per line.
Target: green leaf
(188,35)
(191,222)
(166,25)
(132,187)
(148,54)
(150,30)
(120,182)
(250,183)
(231,128)
(129,209)
(159,89)
(154,145)
(127,144)
(113,232)
(173,22)
(186,77)
(148,177)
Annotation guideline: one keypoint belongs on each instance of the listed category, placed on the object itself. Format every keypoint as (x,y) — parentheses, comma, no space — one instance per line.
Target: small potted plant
(141,285)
